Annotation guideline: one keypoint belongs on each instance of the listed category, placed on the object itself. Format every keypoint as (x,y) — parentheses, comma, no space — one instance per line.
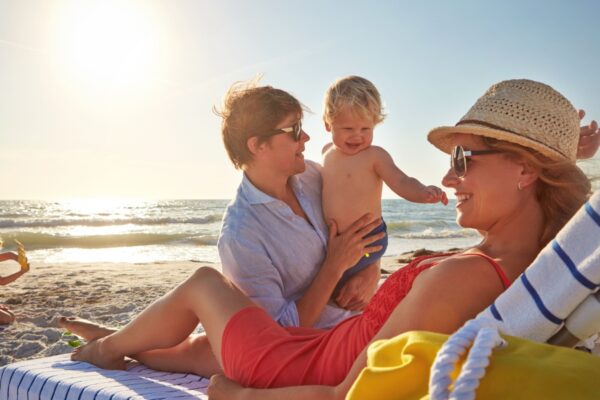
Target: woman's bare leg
(86,329)
(205,297)
(192,355)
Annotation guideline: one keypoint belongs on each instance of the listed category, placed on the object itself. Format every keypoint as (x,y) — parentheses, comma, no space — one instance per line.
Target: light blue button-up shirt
(273,254)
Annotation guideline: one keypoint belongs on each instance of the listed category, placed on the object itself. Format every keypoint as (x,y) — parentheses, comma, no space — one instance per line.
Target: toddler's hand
(434,194)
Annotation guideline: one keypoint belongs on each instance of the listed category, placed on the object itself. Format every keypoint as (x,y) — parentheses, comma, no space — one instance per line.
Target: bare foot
(93,353)
(84,328)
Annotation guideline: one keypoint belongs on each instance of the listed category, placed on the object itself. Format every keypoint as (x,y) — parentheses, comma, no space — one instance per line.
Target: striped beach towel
(565,273)
(59,378)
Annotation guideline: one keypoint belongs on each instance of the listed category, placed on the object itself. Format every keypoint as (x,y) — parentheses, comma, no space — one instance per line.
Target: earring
(519,186)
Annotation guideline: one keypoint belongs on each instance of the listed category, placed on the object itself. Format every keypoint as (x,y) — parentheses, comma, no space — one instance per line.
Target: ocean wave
(54,223)
(205,240)
(12,215)
(37,241)
(404,226)
(438,234)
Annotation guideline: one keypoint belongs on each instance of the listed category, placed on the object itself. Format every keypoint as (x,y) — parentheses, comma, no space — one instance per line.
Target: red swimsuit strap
(494,264)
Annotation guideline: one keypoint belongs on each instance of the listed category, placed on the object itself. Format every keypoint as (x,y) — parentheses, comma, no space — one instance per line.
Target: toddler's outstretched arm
(403,185)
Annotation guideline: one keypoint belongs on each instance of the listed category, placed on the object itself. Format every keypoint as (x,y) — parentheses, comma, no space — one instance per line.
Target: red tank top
(397,286)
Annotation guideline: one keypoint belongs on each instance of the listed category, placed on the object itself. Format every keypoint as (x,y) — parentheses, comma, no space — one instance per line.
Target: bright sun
(108,42)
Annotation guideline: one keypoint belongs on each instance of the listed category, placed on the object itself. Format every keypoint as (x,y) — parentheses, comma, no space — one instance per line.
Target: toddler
(354,171)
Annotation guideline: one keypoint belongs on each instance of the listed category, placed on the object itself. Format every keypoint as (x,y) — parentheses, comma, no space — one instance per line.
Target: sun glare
(108,42)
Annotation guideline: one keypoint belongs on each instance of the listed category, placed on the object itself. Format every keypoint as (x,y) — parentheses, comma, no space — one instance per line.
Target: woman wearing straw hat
(514,175)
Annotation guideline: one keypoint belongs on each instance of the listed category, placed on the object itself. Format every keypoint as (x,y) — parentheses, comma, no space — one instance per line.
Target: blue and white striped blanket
(58,378)
(561,277)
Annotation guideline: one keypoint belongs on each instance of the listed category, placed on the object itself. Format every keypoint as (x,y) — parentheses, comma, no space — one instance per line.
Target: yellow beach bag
(398,368)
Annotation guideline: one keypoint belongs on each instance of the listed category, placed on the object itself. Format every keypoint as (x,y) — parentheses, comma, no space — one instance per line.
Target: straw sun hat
(520,111)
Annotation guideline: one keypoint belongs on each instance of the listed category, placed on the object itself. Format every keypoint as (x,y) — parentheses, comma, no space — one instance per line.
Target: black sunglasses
(459,155)
(295,130)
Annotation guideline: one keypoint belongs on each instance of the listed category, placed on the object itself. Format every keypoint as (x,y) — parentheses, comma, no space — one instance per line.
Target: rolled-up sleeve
(247,263)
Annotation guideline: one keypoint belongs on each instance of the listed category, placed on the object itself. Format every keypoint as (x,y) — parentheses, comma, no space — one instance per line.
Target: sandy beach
(107,293)
(110,293)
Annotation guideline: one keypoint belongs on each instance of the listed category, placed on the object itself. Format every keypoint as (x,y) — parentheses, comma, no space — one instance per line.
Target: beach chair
(59,378)
(535,307)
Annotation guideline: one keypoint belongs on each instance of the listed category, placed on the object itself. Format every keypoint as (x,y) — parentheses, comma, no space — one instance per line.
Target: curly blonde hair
(356,93)
(249,110)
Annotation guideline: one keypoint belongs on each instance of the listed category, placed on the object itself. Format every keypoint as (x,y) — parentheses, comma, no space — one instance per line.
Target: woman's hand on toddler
(345,249)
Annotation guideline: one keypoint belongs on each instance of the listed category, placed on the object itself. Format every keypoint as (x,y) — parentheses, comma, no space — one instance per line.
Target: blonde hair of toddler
(356,93)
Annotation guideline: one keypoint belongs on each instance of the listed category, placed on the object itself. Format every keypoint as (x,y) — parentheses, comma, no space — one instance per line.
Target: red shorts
(257,352)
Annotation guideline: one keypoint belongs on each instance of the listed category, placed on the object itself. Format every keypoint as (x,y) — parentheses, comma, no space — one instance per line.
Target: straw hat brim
(441,137)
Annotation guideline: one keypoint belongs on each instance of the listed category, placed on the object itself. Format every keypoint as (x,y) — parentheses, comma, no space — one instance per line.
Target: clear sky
(114,98)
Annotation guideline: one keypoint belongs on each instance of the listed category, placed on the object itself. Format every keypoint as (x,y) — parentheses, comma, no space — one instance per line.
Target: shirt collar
(256,196)
(296,183)
(253,194)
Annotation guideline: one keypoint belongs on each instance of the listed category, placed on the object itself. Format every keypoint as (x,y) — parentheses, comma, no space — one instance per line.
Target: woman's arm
(221,388)
(360,288)
(343,251)
(8,256)
(589,139)
(246,263)
(5,280)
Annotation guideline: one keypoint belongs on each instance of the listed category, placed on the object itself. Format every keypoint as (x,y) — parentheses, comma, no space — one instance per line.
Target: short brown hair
(249,110)
(356,93)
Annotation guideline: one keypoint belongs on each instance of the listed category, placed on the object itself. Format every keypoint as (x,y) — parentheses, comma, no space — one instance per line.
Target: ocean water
(181,230)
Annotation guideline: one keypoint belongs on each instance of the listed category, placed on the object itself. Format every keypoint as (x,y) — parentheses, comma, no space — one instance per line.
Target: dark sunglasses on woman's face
(295,130)
(459,156)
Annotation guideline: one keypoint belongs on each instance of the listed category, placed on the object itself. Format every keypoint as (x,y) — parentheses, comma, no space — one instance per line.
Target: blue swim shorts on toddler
(366,261)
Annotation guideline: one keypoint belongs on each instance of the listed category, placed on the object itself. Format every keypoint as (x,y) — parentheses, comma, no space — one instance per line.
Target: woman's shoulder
(453,291)
(240,222)
(465,271)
